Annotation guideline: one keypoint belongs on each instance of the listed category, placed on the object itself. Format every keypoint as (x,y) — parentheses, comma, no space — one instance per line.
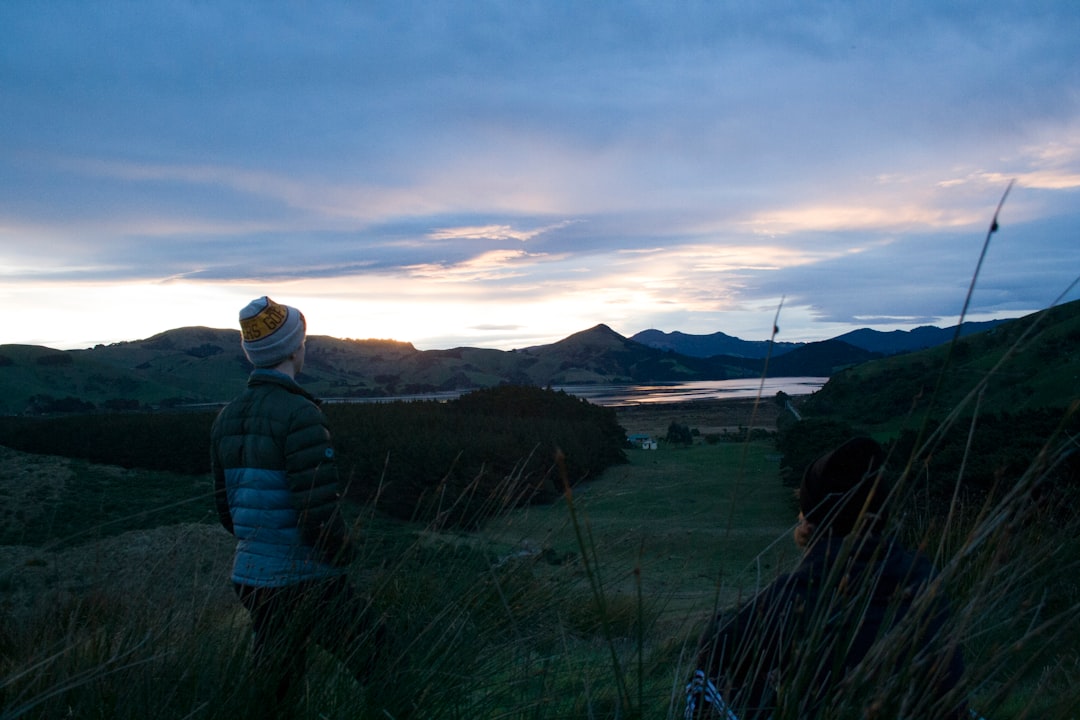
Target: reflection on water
(618,395)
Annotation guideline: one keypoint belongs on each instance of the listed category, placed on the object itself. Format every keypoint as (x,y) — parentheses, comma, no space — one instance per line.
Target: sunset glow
(406,171)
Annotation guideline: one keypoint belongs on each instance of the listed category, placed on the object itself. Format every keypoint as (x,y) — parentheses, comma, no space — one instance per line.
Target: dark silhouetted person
(857,630)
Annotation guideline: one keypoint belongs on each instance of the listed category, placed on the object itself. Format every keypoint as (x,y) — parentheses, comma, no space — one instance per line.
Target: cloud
(492,232)
(511,165)
(859,217)
(491,265)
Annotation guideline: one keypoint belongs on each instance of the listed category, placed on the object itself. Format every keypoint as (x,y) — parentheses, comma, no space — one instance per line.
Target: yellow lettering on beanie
(269,319)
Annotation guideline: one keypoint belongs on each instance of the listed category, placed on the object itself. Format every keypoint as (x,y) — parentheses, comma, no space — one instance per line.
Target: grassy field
(607,590)
(691,520)
(663,537)
(115,602)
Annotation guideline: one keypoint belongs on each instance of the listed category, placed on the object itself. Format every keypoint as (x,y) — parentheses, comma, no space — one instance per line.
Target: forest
(409,459)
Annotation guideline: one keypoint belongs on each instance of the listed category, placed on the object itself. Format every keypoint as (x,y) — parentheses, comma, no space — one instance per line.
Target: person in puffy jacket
(857,629)
(276,490)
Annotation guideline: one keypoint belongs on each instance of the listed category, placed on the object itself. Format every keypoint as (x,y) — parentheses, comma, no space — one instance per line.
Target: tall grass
(588,608)
(573,626)
(502,623)
(1010,565)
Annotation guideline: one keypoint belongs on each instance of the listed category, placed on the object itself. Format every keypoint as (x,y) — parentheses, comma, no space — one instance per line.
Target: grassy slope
(1022,370)
(688,516)
(669,510)
(85,378)
(52,501)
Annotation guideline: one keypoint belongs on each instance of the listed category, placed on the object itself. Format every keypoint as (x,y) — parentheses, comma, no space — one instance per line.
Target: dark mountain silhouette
(197,365)
(876,341)
(1026,363)
(819,359)
(601,355)
(717,343)
(921,338)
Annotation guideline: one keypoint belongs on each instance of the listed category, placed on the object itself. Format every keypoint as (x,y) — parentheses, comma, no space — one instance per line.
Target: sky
(505,174)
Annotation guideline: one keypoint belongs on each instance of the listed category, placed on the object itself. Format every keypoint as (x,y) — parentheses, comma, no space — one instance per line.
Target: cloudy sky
(503,174)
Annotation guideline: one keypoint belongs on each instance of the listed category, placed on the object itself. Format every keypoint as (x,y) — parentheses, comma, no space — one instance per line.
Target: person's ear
(803,532)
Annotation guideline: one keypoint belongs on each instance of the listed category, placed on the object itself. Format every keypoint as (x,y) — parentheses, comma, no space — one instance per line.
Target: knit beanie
(270,332)
(835,487)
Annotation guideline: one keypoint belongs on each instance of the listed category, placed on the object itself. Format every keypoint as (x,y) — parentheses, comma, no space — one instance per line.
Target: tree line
(455,461)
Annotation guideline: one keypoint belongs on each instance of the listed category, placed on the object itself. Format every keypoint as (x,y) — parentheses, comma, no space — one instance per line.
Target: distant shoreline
(711,415)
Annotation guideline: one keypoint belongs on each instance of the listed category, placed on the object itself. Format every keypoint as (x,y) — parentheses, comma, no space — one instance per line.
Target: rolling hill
(717,343)
(196,365)
(875,341)
(1029,363)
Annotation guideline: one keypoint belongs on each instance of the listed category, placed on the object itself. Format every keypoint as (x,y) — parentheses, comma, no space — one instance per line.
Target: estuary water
(617,395)
(621,395)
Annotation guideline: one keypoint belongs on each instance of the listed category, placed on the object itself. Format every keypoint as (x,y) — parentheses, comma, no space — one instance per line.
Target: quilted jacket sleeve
(221,501)
(313,481)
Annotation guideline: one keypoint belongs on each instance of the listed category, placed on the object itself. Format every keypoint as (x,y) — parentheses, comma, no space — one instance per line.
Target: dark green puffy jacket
(809,632)
(276,484)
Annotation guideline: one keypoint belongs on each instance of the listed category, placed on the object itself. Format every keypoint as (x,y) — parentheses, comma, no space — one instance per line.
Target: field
(689,519)
(115,601)
(92,549)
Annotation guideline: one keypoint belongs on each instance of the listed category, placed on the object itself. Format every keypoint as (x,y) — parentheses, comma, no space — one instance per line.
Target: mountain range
(197,365)
(886,343)
(1029,363)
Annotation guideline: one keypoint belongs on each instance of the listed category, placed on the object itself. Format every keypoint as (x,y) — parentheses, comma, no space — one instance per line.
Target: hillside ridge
(200,365)
(1029,363)
(885,342)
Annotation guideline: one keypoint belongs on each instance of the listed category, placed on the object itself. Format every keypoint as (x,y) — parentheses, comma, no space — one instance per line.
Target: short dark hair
(839,485)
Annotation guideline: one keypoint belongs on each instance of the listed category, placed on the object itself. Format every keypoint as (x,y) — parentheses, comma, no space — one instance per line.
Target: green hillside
(1025,364)
(196,365)
(35,377)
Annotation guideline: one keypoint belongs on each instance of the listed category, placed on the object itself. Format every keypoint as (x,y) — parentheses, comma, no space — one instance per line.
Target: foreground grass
(587,608)
(504,622)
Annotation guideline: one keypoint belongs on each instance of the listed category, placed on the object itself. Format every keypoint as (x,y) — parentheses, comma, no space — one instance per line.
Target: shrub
(678,434)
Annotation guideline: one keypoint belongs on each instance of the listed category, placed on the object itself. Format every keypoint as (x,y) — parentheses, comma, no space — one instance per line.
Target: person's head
(272,333)
(843,490)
